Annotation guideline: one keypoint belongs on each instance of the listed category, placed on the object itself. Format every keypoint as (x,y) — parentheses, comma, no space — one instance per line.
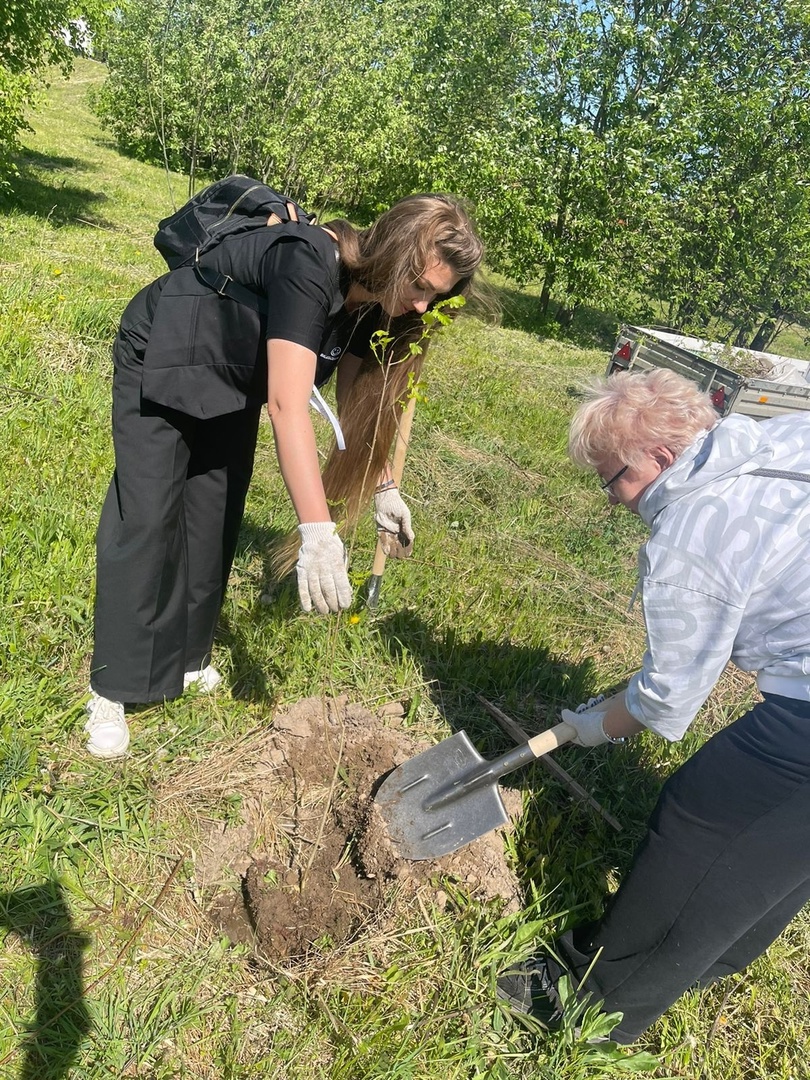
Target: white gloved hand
(322,579)
(392,514)
(587,719)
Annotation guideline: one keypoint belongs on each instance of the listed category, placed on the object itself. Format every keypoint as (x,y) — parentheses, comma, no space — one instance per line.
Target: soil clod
(310,862)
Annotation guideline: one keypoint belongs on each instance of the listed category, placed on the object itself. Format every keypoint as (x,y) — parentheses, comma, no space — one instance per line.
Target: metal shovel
(448,795)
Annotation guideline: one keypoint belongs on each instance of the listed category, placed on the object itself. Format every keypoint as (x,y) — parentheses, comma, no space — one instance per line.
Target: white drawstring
(319,405)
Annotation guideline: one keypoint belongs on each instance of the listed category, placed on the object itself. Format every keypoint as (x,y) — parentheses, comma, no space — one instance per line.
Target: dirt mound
(310,861)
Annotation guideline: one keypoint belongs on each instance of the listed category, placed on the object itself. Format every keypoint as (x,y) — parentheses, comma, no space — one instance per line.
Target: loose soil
(310,861)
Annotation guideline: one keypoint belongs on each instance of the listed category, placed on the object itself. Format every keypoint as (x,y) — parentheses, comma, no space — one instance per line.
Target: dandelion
(354,619)
(57,271)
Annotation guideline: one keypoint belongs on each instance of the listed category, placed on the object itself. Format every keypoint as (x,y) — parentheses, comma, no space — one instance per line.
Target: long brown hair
(385,259)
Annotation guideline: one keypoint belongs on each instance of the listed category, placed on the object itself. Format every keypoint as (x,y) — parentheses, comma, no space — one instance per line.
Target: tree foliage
(30,42)
(300,93)
(623,153)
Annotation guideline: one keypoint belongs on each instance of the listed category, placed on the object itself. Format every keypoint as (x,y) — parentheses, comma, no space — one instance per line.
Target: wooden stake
(397,468)
(513,729)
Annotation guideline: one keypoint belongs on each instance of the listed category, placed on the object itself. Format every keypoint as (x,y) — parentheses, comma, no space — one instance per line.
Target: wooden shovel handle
(397,468)
(551,739)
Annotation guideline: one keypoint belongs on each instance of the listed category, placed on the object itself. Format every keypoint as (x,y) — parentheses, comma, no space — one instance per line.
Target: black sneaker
(529,988)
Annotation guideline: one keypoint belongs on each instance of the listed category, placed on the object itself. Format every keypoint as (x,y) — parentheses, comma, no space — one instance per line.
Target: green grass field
(518,590)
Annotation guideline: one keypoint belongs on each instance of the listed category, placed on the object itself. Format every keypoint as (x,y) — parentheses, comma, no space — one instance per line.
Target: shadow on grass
(39,917)
(107,142)
(60,203)
(561,844)
(590,329)
(50,162)
(254,676)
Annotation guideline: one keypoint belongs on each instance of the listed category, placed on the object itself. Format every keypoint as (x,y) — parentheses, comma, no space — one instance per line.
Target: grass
(518,590)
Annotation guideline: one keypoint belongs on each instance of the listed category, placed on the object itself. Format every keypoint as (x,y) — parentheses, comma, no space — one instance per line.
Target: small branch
(95,225)
(151,907)
(515,731)
(5,388)
(133,937)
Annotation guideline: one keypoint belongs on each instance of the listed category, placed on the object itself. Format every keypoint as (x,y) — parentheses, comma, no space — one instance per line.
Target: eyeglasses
(607,487)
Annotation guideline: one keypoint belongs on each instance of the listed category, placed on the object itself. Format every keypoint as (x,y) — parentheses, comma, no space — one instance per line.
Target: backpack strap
(226,286)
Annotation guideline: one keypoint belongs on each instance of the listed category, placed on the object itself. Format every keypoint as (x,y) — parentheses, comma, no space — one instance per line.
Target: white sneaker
(109,734)
(206,679)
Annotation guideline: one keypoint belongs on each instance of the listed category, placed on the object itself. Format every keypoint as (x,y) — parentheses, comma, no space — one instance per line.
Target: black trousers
(724,867)
(166,538)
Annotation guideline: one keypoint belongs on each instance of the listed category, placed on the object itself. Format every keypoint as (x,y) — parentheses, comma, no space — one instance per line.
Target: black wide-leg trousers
(724,867)
(166,539)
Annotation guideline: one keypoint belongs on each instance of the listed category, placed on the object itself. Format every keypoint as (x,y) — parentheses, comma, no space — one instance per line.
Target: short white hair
(629,413)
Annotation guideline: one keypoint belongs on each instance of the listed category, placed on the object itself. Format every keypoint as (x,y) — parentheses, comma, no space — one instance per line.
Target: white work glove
(322,579)
(587,719)
(392,514)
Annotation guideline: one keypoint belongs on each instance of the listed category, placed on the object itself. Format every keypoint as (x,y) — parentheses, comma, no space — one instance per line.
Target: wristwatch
(614,740)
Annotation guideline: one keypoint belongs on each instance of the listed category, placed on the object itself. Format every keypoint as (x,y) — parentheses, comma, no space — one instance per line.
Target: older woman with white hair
(725,575)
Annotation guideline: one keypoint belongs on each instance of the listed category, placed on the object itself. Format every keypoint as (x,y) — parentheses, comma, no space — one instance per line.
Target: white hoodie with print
(726,571)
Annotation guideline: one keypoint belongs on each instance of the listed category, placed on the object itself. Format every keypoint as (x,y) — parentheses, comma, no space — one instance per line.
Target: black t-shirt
(305,290)
(304,287)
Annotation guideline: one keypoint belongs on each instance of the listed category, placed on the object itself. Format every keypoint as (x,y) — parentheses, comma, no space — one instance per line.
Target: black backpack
(234,205)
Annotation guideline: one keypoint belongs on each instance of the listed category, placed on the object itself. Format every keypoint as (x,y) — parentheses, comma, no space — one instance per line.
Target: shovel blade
(421,831)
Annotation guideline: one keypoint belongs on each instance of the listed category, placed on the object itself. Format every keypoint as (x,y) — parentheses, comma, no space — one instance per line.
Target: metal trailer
(639,348)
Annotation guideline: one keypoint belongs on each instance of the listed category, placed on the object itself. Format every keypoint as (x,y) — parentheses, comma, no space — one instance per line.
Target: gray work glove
(391,513)
(587,719)
(322,579)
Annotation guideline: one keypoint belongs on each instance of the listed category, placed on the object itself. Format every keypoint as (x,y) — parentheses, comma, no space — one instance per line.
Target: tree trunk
(548,285)
(741,337)
(767,330)
(764,336)
(686,310)
(565,315)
